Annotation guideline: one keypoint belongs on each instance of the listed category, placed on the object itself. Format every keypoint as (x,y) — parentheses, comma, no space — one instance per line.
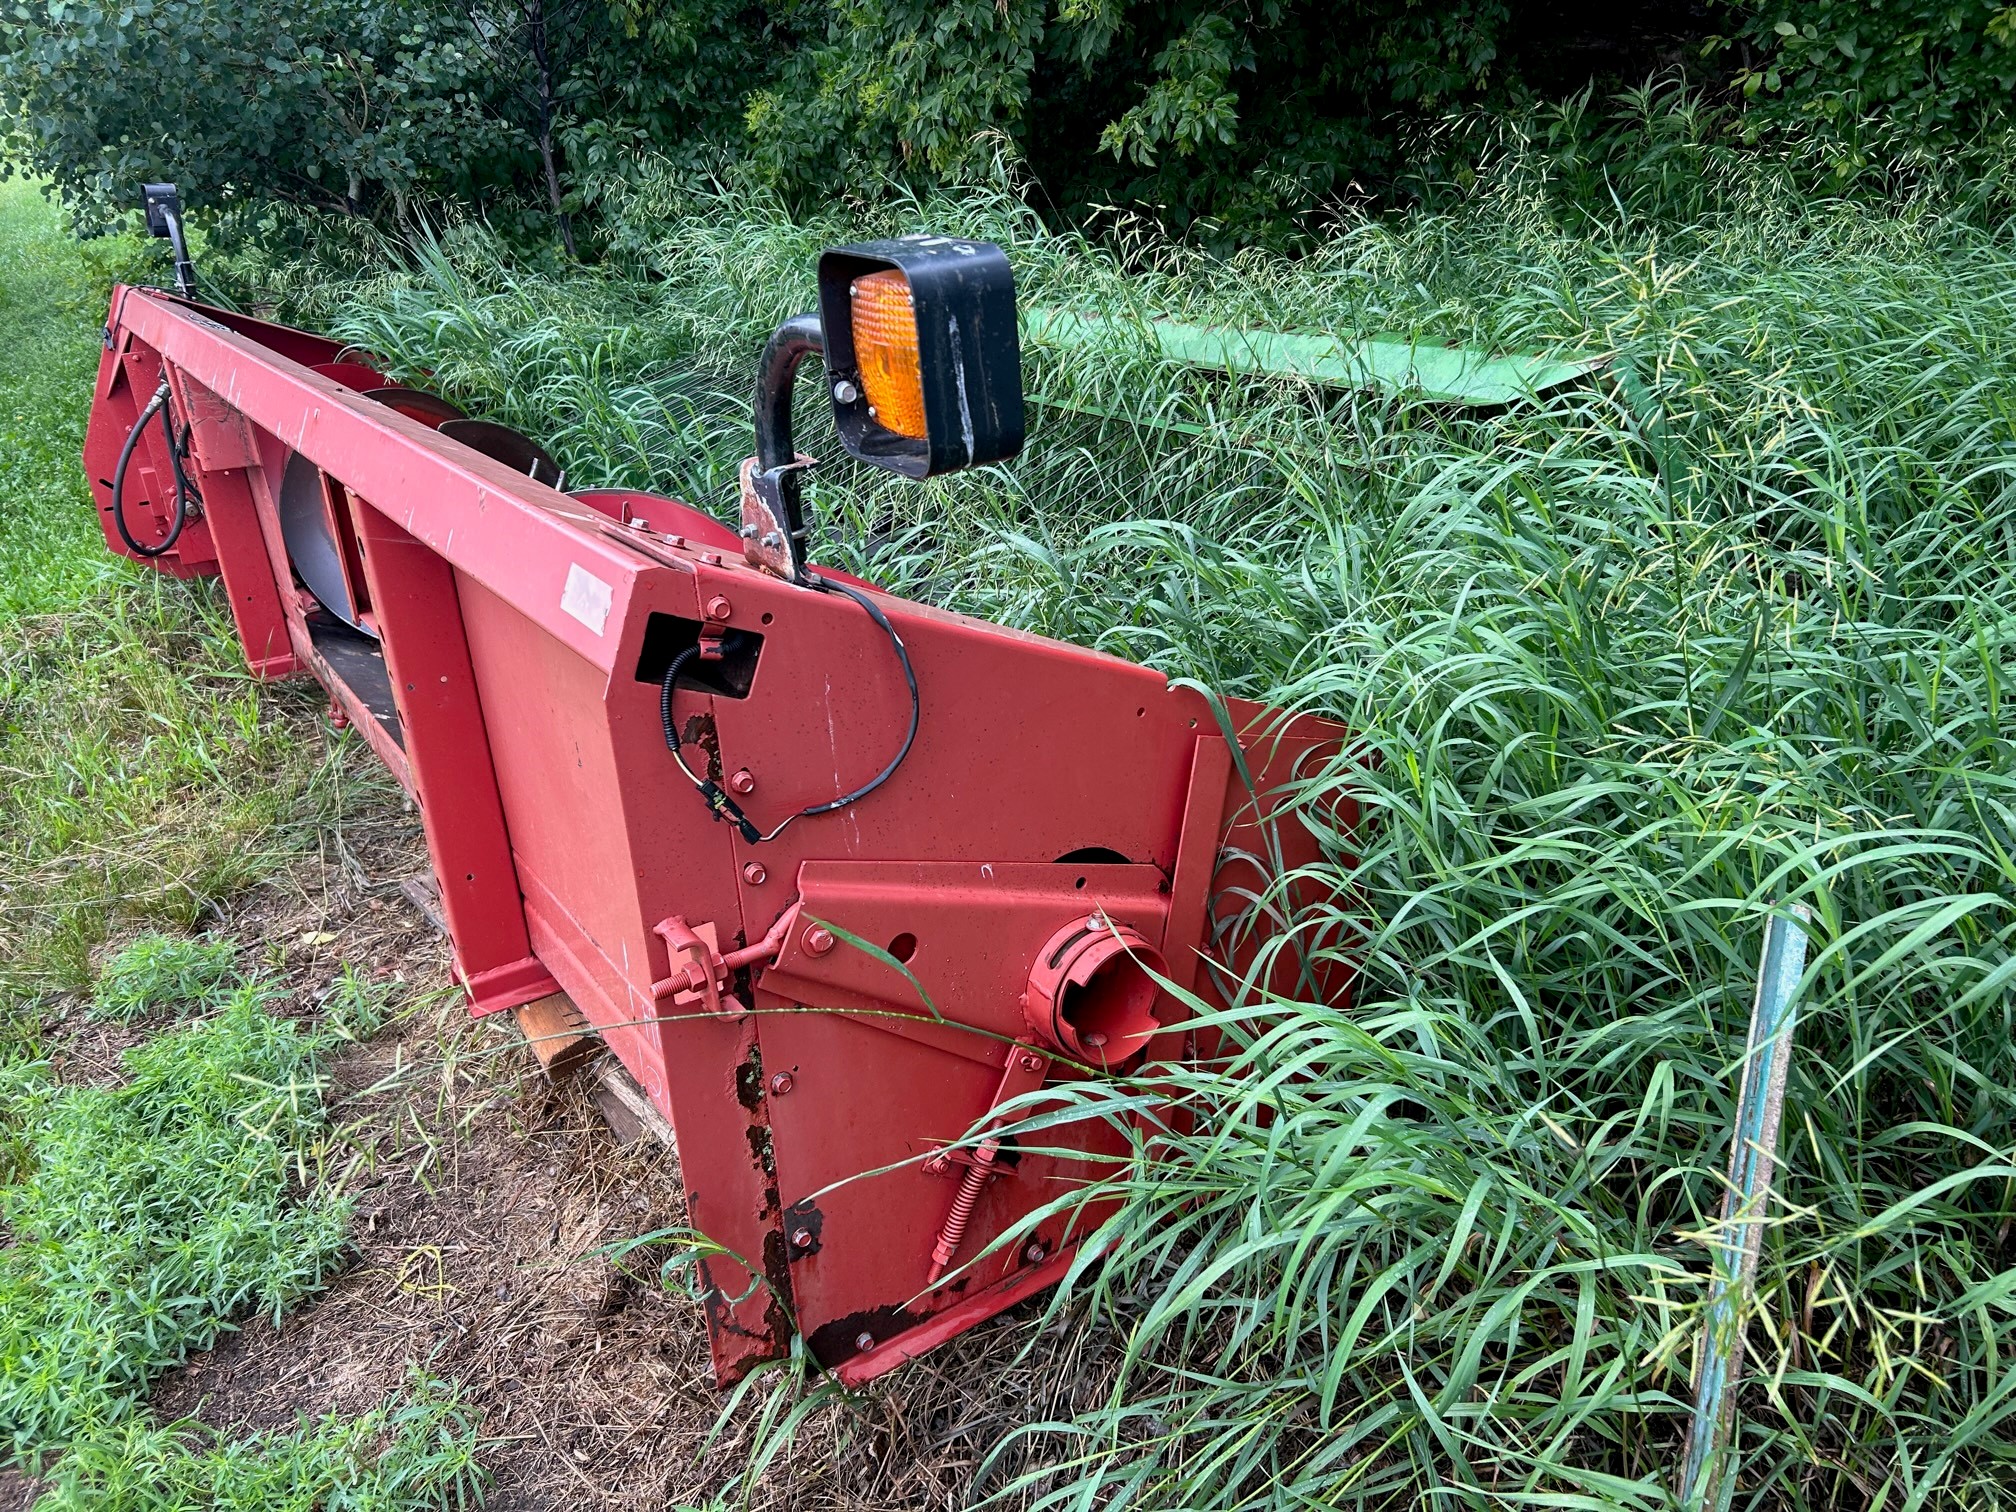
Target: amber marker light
(885,346)
(923,362)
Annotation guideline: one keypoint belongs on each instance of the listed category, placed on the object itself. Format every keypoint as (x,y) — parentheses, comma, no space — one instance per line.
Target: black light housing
(164,218)
(969,355)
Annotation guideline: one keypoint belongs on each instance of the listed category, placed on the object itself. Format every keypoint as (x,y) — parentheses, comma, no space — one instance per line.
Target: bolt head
(772,540)
(718,608)
(742,781)
(780,1083)
(801,1238)
(749,532)
(864,1342)
(818,940)
(845,392)
(710,558)
(1032,1063)
(1036,1251)
(754,874)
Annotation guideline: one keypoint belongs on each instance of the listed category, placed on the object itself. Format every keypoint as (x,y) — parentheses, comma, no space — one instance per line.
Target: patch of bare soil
(483,1198)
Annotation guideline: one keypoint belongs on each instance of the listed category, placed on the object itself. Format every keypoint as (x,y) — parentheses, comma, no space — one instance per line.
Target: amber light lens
(885,349)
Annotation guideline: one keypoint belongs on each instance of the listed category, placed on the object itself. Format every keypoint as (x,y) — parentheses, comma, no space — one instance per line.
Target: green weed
(157,971)
(153,1213)
(411,1453)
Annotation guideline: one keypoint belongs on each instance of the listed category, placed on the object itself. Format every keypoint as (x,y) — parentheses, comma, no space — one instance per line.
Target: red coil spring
(970,1186)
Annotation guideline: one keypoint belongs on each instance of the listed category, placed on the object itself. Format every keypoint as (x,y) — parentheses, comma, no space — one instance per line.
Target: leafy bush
(1940,70)
(152,1214)
(158,971)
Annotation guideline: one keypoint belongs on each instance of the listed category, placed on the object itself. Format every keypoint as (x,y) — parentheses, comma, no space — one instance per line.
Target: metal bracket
(1025,1068)
(700,980)
(771,539)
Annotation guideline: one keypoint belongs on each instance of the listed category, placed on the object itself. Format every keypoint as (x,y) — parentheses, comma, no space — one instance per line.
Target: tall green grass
(1732,626)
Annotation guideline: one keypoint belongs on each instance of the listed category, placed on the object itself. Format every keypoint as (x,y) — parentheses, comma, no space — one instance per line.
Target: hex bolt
(780,1084)
(1037,1252)
(864,1342)
(818,940)
(754,874)
(749,532)
(772,540)
(718,608)
(742,781)
(801,1238)
(845,392)
(1031,1063)
(710,559)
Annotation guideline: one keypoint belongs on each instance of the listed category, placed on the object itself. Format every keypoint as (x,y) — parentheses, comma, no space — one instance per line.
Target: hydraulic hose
(157,405)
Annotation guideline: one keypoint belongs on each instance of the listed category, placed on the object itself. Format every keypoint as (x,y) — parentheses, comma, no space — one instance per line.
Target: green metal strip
(1383,364)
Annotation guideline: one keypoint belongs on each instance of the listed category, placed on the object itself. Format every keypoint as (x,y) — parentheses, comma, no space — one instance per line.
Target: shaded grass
(147,774)
(1733,626)
(51,554)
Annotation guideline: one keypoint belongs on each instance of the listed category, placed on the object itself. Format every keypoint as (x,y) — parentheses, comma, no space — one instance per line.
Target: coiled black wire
(184,490)
(711,792)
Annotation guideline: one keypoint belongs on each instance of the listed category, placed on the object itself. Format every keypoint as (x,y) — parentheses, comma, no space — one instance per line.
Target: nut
(754,874)
(742,781)
(1031,1062)
(710,559)
(864,1342)
(718,608)
(801,1238)
(1036,1252)
(780,1083)
(818,940)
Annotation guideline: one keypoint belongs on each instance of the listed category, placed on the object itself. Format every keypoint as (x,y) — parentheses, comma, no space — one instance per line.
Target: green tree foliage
(323,102)
(1238,123)
(1934,67)
(1251,115)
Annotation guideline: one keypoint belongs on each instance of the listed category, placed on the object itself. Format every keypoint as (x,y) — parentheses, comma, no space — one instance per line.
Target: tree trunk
(542,59)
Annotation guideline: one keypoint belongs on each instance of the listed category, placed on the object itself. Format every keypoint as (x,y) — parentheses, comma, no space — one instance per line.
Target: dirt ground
(483,1195)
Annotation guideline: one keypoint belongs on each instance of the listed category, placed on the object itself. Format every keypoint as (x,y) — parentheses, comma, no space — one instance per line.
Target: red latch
(701,978)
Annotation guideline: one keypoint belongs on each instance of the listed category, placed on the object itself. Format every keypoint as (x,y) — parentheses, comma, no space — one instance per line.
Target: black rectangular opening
(666,635)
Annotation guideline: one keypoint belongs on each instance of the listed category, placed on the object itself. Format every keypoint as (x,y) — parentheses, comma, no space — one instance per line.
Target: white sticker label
(586,597)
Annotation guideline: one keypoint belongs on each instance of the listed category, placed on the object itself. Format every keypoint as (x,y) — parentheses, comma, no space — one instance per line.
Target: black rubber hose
(725,807)
(157,405)
(829,585)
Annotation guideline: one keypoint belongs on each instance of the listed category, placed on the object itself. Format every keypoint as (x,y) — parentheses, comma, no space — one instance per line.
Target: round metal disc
(518,452)
(666,516)
(416,404)
(352,375)
(304,525)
